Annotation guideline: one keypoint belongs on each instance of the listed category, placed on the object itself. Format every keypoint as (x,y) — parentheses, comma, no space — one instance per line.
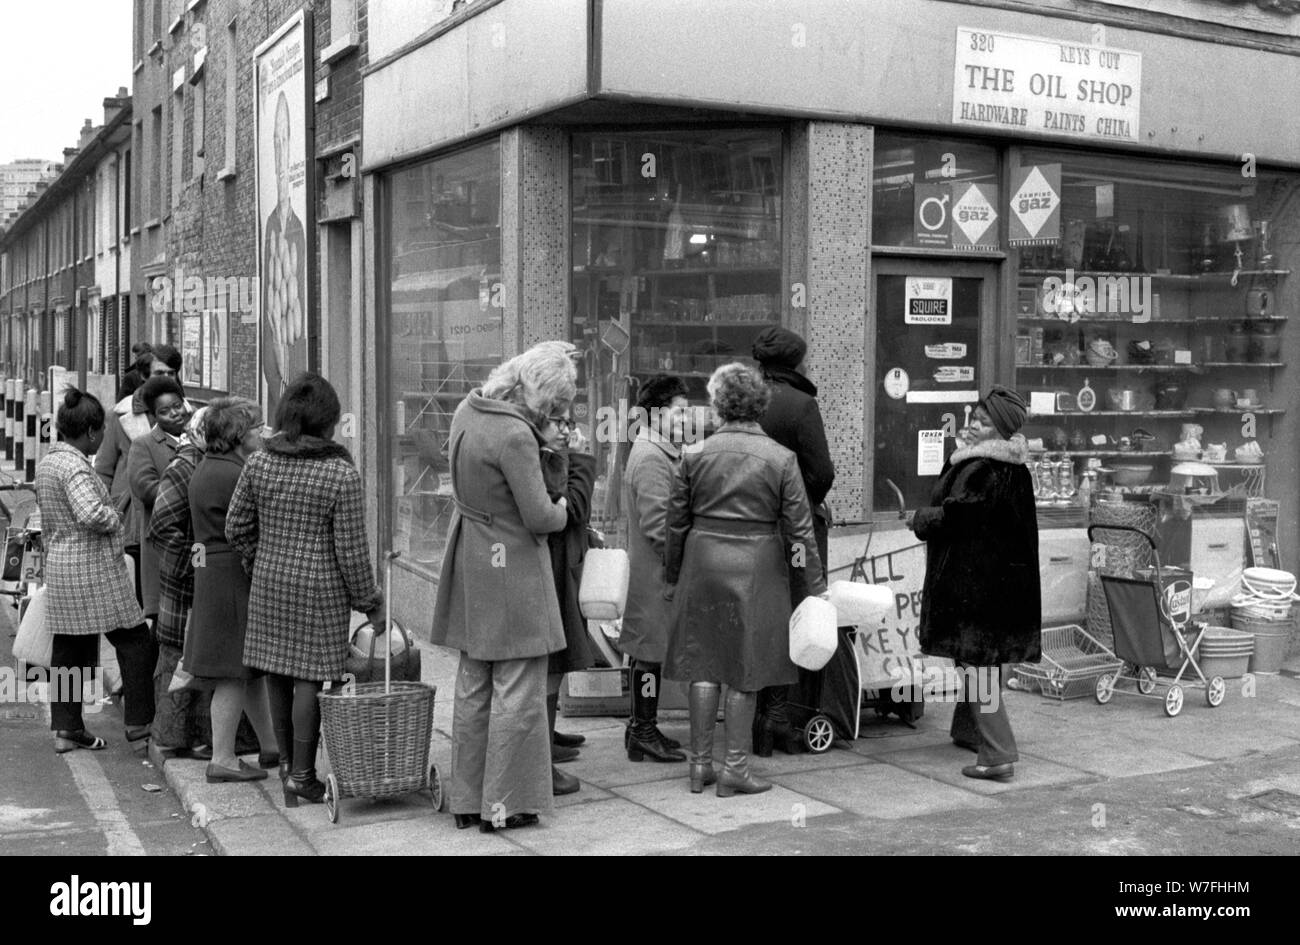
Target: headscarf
(779,347)
(1006,409)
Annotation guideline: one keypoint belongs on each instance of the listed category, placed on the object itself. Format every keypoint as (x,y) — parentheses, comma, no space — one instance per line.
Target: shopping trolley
(1149,619)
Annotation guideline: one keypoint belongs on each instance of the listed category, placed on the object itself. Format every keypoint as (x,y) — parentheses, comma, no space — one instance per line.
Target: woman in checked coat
(497,601)
(88,590)
(297,521)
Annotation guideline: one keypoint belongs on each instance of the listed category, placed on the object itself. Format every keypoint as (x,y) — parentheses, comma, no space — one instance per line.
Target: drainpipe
(117,258)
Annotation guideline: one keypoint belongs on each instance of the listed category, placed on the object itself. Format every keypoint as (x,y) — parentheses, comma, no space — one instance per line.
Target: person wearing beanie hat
(793,420)
(981,603)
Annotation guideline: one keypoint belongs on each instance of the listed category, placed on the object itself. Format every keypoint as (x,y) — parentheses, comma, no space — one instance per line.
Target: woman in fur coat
(981,603)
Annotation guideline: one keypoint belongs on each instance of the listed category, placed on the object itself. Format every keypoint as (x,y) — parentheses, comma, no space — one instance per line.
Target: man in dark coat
(981,604)
(793,420)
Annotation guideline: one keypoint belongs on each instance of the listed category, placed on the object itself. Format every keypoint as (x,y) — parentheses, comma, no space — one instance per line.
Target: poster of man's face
(282,208)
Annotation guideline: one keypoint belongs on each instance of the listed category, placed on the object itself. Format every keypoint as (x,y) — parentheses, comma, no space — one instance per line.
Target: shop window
(444,328)
(1151,321)
(935,193)
(676,263)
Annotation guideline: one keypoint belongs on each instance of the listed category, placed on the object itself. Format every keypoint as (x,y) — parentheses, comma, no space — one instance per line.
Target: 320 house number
(981,42)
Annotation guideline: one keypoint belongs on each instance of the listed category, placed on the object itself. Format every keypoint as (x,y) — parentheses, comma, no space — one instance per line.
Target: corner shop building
(672,177)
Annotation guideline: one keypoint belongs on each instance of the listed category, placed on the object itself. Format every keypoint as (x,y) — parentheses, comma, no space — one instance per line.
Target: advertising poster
(215,350)
(283,206)
(192,350)
(1035,205)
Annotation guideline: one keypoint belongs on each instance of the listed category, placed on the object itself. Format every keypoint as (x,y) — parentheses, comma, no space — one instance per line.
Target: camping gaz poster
(1076,90)
(283,206)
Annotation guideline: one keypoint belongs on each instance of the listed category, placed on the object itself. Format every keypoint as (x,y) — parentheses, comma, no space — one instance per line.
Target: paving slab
(429,836)
(944,763)
(882,791)
(1111,754)
(711,814)
(609,827)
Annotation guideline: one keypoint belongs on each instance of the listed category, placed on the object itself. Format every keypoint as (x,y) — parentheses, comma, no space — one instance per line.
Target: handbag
(35,644)
(364,666)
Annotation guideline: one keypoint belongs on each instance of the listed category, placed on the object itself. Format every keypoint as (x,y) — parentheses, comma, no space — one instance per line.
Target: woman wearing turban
(981,602)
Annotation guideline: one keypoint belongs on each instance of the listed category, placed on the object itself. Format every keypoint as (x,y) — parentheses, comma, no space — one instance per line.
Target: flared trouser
(500,743)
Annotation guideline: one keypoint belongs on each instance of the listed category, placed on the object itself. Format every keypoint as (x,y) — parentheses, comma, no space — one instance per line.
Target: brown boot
(704,719)
(736,777)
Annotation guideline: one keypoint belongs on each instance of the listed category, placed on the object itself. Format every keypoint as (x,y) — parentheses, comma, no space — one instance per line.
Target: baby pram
(1149,619)
(828,703)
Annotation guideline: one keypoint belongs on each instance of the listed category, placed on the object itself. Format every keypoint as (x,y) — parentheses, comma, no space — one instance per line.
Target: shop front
(999,197)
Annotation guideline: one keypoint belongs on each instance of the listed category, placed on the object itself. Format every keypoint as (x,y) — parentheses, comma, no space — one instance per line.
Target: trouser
(975,723)
(500,746)
(137,654)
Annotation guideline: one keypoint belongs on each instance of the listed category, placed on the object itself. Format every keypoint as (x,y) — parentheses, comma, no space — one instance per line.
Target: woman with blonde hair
(738,513)
(497,602)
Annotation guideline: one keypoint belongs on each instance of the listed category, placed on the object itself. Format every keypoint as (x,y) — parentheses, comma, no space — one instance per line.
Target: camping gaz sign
(928,301)
(957,215)
(1079,91)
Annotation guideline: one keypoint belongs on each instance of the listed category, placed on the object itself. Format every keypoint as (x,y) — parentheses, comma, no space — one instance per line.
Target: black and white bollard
(31,417)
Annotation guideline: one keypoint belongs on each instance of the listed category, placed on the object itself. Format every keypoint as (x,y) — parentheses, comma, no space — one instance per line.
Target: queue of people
(725,538)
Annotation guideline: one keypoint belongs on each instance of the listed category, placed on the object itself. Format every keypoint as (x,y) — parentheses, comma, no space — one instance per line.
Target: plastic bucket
(1270,651)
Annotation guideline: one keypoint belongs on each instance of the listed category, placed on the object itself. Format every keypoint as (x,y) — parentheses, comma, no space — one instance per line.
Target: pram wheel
(1215,690)
(1146,680)
(332,798)
(1105,688)
(1174,701)
(435,787)
(818,734)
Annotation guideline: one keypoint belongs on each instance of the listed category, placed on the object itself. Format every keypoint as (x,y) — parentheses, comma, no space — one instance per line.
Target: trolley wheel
(818,734)
(1146,680)
(435,787)
(1215,691)
(332,798)
(1174,701)
(1105,688)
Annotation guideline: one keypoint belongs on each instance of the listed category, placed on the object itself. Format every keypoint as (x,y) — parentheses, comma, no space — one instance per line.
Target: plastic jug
(860,605)
(602,595)
(813,633)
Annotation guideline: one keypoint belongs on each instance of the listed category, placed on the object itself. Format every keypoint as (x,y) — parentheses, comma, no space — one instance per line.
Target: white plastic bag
(34,644)
(813,634)
(860,605)
(605,577)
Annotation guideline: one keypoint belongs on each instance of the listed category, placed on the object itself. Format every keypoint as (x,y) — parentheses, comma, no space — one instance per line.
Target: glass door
(933,356)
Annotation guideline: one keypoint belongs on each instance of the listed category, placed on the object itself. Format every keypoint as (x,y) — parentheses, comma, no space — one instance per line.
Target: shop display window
(444,328)
(676,264)
(935,193)
(1151,318)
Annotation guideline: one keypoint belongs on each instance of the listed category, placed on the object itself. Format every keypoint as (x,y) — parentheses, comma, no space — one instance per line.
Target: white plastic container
(605,576)
(813,634)
(860,605)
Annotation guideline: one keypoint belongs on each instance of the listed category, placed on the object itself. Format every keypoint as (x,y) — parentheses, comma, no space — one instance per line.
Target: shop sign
(929,452)
(1032,83)
(1035,205)
(932,222)
(927,301)
(974,213)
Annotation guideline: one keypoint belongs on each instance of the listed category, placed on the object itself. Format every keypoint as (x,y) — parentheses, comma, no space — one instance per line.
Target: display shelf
(692,271)
(1108,367)
(1225,319)
(1242,364)
(1211,277)
(1093,454)
(1076,414)
(1240,410)
(1053,320)
(732,323)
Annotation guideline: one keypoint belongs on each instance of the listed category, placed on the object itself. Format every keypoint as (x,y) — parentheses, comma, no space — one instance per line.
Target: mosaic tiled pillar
(534,236)
(830,245)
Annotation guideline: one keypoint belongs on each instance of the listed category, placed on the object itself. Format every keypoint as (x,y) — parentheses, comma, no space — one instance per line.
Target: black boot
(777,730)
(560,739)
(302,782)
(643,737)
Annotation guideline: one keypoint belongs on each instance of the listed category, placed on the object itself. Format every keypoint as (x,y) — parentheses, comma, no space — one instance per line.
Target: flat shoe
(216,774)
(560,754)
(967,745)
(70,741)
(567,741)
(513,821)
(989,772)
(464,821)
(137,733)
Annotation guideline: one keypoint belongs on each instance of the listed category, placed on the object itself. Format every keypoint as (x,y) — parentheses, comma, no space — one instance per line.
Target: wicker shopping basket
(377,740)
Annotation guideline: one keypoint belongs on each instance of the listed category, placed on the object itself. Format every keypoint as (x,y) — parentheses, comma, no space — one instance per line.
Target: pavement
(1122,778)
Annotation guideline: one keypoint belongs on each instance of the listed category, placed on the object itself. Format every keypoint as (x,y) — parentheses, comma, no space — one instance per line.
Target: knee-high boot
(704,719)
(772,723)
(736,777)
(644,740)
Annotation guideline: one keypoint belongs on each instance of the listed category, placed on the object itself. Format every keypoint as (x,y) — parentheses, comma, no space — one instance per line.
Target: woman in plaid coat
(296,520)
(87,588)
